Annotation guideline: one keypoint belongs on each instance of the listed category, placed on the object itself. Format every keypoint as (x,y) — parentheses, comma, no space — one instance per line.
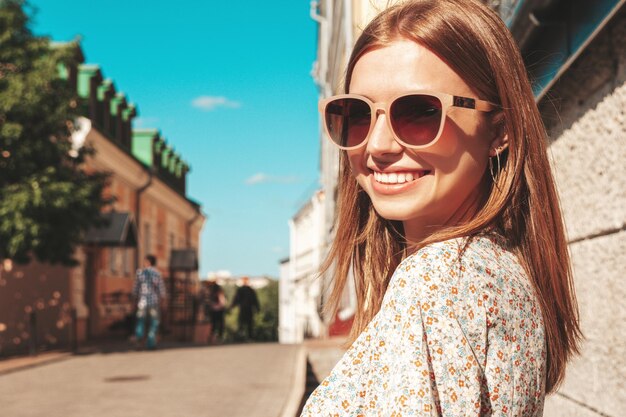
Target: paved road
(228,380)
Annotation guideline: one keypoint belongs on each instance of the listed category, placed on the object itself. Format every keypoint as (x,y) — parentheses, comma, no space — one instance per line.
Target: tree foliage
(265,320)
(47,200)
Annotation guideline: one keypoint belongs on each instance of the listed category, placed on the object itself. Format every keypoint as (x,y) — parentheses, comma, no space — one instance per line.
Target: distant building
(339,23)
(44,306)
(301,290)
(255,282)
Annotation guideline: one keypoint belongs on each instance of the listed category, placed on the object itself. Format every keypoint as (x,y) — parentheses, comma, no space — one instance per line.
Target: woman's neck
(420,229)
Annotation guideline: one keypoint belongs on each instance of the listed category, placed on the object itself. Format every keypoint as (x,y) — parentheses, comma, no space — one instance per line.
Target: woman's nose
(381,141)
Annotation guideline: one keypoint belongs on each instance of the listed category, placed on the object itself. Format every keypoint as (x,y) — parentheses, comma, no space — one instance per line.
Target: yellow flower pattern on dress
(459,334)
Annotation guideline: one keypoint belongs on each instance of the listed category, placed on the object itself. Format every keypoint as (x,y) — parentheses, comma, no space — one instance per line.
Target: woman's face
(446,177)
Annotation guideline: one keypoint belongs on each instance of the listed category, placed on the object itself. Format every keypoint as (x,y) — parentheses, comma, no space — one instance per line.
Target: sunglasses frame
(447,101)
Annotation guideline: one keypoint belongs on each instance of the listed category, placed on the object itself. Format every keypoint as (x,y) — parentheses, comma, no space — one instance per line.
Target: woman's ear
(499,137)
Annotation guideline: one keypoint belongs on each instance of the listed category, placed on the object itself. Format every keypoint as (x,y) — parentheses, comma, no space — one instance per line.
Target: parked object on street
(149,295)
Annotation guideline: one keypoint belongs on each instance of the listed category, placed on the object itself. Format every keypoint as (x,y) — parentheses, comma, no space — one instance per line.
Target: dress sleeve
(481,336)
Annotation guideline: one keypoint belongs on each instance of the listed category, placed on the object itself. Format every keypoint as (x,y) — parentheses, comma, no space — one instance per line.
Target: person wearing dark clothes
(248,303)
(216,304)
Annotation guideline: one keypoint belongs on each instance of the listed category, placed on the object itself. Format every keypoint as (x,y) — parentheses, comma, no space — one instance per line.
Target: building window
(160,237)
(113,261)
(125,263)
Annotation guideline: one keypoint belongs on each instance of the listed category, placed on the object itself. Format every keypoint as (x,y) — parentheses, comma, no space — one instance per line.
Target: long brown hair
(521,203)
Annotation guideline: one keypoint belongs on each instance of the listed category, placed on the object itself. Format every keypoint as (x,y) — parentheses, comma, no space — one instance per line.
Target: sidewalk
(227,380)
(323,354)
(321,357)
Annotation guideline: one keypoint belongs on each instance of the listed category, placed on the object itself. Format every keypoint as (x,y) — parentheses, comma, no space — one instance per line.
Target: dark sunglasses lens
(416,118)
(348,121)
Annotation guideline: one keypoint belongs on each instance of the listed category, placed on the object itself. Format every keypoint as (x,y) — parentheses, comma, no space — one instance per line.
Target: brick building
(44,306)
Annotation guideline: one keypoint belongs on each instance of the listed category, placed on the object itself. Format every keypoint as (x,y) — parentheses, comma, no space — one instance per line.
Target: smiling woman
(449,220)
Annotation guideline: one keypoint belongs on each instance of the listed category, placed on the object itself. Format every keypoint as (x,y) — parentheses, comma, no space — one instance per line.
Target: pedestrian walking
(448,221)
(215,307)
(248,303)
(149,295)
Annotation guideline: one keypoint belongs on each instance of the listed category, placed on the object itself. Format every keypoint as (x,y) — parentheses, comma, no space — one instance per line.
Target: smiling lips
(398,177)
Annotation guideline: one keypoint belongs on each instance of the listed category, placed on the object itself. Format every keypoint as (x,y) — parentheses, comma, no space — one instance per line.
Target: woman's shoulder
(456,251)
(486,258)
(469,273)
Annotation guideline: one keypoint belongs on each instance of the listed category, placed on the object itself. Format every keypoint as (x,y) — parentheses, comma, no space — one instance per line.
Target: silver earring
(498,159)
(493,175)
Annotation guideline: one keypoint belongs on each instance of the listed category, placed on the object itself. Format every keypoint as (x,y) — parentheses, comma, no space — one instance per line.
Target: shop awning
(184,260)
(118,230)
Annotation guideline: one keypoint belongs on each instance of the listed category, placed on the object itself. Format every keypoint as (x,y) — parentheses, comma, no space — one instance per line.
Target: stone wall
(585,114)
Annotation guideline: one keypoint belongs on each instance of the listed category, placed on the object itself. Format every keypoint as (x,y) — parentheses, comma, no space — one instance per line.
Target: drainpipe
(314,14)
(347,24)
(320,69)
(138,194)
(188,227)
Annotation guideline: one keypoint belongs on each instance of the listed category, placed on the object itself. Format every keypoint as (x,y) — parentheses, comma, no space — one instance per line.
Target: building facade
(300,290)
(339,22)
(54,306)
(576,55)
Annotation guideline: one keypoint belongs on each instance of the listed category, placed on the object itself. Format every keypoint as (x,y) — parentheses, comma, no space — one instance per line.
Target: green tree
(47,200)
(265,321)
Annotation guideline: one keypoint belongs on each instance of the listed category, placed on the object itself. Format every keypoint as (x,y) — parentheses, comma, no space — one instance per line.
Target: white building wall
(340,22)
(300,287)
(286,306)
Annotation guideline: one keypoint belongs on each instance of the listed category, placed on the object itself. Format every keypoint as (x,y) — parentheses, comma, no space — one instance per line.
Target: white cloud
(262,178)
(257,179)
(210,103)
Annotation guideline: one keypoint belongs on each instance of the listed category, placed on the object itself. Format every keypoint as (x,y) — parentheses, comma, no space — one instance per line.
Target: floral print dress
(459,333)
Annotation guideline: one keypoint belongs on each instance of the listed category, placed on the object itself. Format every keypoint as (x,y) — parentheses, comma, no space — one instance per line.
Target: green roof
(142,145)
(85,73)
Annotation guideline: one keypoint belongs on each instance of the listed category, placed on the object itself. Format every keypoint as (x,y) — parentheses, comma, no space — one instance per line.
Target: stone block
(559,406)
(585,116)
(588,163)
(596,378)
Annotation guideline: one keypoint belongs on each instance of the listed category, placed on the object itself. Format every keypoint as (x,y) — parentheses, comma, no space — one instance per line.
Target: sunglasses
(416,118)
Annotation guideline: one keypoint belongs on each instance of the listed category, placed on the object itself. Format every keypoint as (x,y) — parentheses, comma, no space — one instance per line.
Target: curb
(23,363)
(292,404)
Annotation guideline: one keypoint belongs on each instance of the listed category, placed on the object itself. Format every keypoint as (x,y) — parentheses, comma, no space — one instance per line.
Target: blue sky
(229,86)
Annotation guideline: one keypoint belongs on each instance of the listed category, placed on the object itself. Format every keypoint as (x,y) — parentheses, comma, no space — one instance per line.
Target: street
(228,380)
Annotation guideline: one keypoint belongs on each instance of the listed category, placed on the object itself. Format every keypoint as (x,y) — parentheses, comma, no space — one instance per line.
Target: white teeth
(395,178)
